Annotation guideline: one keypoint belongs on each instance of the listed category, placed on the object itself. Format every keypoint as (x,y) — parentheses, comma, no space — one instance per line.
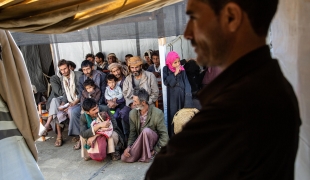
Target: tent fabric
(45,57)
(76,51)
(16,91)
(34,66)
(290,40)
(165,22)
(58,16)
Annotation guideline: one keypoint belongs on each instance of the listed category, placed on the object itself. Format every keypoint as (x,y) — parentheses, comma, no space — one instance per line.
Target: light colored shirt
(143,119)
(113,93)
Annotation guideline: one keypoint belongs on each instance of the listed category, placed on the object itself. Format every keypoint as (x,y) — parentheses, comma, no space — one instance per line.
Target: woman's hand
(177,70)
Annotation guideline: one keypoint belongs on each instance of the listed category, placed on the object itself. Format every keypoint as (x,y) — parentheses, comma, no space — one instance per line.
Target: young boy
(114,95)
(90,91)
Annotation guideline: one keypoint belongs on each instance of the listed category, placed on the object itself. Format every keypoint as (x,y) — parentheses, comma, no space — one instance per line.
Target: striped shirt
(7,125)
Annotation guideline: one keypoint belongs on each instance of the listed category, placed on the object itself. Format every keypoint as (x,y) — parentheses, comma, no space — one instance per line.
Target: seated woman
(89,135)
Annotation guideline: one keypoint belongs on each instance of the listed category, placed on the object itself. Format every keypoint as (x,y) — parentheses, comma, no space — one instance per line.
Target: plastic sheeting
(291,39)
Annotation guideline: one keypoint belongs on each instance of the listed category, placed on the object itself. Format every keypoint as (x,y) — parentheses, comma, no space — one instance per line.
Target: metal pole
(162,56)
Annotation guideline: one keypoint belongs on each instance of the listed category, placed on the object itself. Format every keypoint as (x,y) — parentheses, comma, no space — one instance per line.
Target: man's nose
(188,31)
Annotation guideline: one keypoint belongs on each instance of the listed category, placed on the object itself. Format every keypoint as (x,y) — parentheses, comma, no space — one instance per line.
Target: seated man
(101,63)
(138,78)
(70,102)
(52,105)
(148,132)
(121,73)
(91,58)
(155,68)
(97,76)
(115,143)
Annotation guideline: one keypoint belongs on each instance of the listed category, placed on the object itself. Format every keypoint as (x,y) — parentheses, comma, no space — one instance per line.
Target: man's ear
(232,16)
(87,112)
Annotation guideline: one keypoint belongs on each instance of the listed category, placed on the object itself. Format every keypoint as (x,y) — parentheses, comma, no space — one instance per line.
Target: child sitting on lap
(90,91)
(114,95)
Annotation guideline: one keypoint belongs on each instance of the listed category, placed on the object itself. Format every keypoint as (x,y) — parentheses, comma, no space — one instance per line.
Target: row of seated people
(77,86)
(118,89)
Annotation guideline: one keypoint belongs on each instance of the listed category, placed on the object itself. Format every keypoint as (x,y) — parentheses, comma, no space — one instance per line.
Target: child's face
(111,83)
(89,88)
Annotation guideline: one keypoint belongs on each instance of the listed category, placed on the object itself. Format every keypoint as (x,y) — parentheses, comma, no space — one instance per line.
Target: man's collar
(122,77)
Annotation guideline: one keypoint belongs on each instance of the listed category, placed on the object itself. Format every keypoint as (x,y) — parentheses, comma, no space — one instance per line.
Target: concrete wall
(291,45)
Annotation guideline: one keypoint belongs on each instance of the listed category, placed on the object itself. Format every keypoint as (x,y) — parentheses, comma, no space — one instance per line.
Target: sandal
(77,146)
(75,139)
(58,142)
(116,156)
(87,158)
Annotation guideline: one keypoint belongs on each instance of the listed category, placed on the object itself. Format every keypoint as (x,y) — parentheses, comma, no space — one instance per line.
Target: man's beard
(212,56)
(117,76)
(89,74)
(139,107)
(137,73)
(66,75)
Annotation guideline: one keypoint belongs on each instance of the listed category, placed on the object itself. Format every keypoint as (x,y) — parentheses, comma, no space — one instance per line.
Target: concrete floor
(64,163)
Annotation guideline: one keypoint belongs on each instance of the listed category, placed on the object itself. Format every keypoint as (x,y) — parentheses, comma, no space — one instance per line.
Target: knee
(125,159)
(147,131)
(74,112)
(115,137)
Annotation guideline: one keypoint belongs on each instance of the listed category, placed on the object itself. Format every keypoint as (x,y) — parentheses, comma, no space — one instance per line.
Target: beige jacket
(148,82)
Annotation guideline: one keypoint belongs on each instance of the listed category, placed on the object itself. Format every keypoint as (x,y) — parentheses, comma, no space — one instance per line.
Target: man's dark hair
(89,55)
(142,94)
(260,12)
(89,82)
(129,55)
(100,55)
(62,62)
(155,53)
(111,77)
(88,104)
(72,64)
(87,63)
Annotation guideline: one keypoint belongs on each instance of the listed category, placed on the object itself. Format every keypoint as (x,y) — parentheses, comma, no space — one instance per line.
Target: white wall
(76,51)
(291,45)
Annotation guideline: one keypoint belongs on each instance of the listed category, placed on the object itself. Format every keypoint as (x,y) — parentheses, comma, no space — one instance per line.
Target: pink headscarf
(171,57)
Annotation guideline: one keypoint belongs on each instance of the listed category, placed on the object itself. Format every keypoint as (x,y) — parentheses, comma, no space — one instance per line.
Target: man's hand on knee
(126,152)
